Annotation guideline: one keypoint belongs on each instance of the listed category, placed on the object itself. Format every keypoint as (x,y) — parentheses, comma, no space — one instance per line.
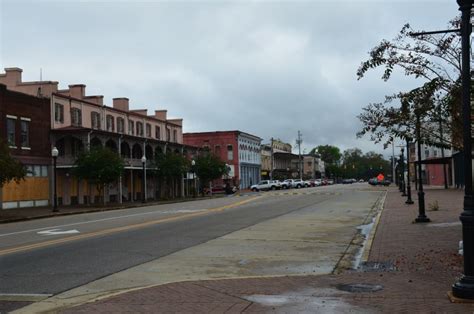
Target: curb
(370,238)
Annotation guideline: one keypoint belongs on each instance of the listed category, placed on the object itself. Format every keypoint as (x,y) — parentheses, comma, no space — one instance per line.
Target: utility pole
(300,166)
(271,158)
(393,162)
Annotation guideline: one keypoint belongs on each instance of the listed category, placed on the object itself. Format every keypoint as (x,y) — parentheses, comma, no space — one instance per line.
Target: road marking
(123,228)
(96,220)
(57,232)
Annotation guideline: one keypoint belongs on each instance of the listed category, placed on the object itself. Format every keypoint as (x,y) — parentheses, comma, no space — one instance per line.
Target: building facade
(25,129)
(239,150)
(78,122)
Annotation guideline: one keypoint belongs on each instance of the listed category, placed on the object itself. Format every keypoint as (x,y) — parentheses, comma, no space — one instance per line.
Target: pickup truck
(266,185)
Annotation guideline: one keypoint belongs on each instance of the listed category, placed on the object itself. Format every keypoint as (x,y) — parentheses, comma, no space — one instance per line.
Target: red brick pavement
(424,259)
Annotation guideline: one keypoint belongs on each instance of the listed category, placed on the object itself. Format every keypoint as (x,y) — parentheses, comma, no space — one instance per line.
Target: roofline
(115,109)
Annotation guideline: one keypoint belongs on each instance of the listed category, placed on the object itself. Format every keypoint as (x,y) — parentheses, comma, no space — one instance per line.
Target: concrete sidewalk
(410,268)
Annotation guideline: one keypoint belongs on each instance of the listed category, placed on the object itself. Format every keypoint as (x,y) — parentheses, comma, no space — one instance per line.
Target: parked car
(297,183)
(347,181)
(330,181)
(308,183)
(375,181)
(266,185)
(285,184)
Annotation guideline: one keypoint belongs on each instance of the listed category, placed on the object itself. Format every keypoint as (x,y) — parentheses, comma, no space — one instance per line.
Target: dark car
(375,181)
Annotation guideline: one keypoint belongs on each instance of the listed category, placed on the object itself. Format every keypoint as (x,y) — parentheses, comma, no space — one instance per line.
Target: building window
(217,150)
(58,113)
(157,132)
(11,124)
(427,153)
(230,152)
(435,153)
(109,120)
(130,127)
(175,136)
(25,133)
(139,129)
(148,130)
(76,117)
(95,118)
(168,135)
(120,125)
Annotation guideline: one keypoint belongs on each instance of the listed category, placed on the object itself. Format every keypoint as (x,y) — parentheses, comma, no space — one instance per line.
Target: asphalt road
(32,262)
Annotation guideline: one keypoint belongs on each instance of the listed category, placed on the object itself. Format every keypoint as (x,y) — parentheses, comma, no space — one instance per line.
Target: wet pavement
(410,268)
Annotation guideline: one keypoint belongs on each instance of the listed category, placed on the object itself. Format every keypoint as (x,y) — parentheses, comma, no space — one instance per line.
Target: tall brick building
(239,150)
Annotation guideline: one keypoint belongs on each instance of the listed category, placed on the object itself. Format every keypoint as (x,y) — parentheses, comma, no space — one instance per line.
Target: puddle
(364,231)
(360,287)
(306,301)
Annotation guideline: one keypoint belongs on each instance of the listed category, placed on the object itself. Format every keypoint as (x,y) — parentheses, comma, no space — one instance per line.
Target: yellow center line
(119,229)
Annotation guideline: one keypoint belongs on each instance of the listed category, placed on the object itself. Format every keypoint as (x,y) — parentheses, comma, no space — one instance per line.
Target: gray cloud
(268,68)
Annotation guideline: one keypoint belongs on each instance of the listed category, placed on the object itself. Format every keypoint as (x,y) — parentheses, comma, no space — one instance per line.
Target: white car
(266,185)
(298,183)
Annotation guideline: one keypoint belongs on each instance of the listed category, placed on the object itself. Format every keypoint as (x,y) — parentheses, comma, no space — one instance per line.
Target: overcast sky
(269,68)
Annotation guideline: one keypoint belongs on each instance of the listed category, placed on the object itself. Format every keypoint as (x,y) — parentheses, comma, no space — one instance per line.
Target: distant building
(25,129)
(277,160)
(239,150)
(313,167)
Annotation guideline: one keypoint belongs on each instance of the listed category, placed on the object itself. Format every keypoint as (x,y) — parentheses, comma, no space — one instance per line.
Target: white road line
(99,220)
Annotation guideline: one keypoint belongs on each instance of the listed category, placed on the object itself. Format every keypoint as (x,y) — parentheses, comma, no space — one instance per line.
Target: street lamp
(403,172)
(55,153)
(144,180)
(464,288)
(193,164)
(421,195)
(408,184)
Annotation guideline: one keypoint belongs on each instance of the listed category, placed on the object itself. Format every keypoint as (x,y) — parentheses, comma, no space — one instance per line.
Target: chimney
(96,99)
(161,114)
(77,91)
(121,103)
(12,76)
(176,121)
(142,112)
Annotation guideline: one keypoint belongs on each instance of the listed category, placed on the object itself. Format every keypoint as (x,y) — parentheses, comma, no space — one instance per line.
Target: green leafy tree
(209,167)
(433,58)
(99,166)
(169,169)
(331,155)
(10,168)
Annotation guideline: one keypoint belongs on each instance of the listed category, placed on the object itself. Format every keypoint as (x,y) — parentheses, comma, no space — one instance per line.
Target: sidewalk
(410,268)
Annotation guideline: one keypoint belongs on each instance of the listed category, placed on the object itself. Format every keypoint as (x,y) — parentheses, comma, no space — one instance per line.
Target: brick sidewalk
(418,263)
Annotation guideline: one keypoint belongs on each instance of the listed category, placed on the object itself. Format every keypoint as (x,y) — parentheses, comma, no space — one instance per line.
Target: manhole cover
(359,287)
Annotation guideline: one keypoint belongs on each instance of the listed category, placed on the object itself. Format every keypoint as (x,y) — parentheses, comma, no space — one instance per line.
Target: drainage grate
(376,266)
(359,287)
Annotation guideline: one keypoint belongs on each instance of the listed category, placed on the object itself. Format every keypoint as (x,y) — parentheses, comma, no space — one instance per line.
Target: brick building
(75,122)
(239,150)
(25,128)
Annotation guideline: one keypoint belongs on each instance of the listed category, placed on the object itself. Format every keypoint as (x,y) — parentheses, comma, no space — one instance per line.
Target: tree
(10,168)
(209,167)
(435,58)
(331,155)
(99,166)
(363,166)
(169,168)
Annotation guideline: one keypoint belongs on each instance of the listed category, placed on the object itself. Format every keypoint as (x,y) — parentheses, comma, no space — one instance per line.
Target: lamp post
(421,195)
(193,164)
(144,179)
(403,172)
(55,153)
(464,288)
(408,184)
